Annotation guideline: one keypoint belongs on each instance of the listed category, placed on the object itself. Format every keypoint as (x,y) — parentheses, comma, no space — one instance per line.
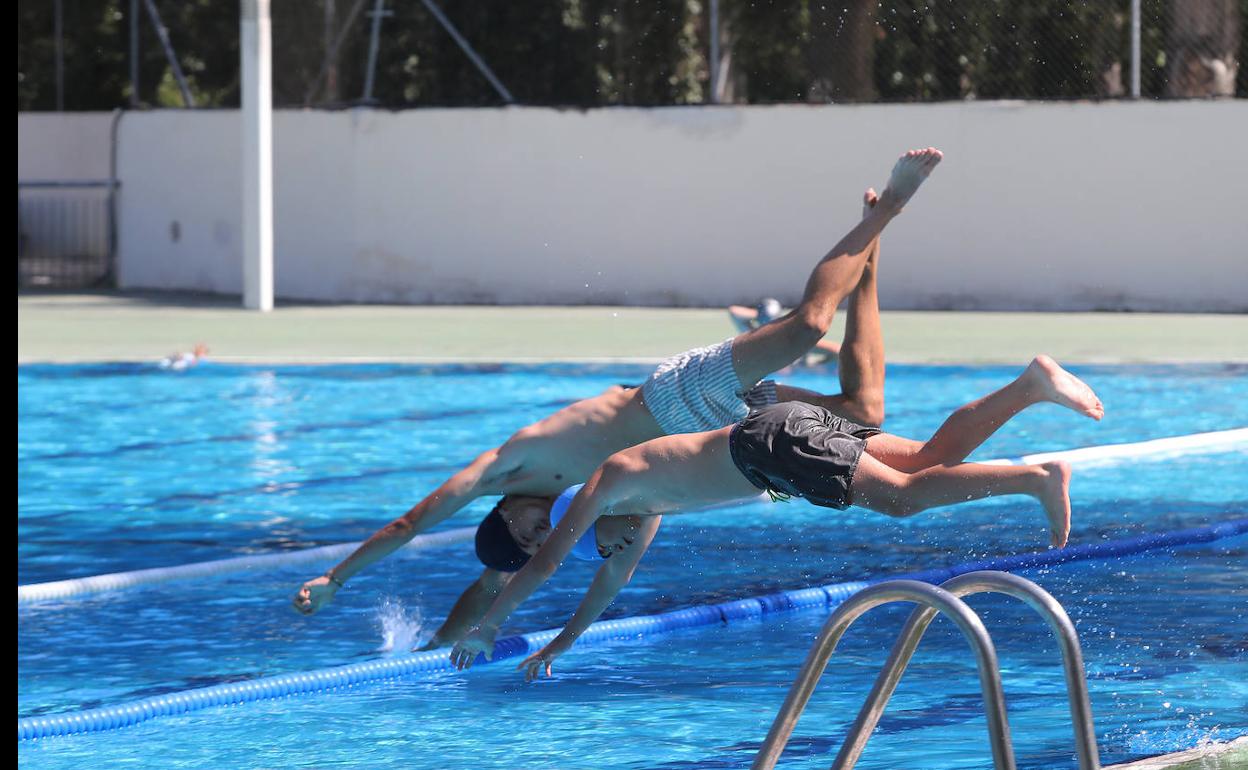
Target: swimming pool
(123,467)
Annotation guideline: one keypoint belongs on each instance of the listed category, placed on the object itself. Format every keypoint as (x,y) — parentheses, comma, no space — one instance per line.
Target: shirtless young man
(699,390)
(786,449)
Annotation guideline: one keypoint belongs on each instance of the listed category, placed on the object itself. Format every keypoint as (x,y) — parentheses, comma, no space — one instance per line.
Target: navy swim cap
(496,548)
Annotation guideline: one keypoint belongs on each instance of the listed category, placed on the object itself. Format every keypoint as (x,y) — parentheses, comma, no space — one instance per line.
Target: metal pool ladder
(931,600)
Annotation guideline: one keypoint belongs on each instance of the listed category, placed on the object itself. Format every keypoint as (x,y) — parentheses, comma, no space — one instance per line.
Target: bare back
(676,474)
(566,447)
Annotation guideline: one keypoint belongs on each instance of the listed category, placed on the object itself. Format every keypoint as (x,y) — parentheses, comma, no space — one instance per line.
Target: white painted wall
(1037,206)
(60,146)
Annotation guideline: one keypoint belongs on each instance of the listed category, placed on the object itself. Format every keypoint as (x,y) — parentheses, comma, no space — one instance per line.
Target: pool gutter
(1217,756)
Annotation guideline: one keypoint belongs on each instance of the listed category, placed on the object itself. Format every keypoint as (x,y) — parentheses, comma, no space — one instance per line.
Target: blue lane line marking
(298,430)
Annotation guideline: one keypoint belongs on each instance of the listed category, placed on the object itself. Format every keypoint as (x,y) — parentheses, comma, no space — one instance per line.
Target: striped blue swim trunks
(698,390)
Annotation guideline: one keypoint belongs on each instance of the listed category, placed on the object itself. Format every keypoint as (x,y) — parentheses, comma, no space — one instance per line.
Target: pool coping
(1229,755)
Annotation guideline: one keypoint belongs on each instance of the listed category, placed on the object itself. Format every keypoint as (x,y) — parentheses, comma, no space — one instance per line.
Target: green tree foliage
(586,53)
(96,43)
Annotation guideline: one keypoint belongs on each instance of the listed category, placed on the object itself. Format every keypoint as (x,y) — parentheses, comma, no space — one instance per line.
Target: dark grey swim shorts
(799,449)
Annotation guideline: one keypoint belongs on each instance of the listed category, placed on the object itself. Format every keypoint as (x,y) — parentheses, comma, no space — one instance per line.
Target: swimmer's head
(769,310)
(607,536)
(513,531)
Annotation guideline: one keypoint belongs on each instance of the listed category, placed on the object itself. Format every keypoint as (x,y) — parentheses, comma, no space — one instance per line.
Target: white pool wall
(1038,206)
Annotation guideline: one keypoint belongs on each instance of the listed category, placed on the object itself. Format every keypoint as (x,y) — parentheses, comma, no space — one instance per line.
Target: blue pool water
(124,467)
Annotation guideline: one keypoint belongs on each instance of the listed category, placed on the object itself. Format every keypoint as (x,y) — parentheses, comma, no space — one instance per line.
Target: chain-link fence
(65,234)
(101,54)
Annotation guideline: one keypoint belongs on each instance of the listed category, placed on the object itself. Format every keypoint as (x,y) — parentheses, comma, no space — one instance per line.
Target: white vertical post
(1135,49)
(714,35)
(257,156)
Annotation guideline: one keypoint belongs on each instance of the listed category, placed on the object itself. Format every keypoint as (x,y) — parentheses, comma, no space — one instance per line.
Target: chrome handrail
(971,583)
(929,596)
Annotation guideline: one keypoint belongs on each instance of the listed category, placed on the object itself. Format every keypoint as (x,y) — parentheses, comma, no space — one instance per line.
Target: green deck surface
(139,327)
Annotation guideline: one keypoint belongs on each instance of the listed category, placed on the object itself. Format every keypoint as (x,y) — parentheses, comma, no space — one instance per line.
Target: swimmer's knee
(812,323)
(870,408)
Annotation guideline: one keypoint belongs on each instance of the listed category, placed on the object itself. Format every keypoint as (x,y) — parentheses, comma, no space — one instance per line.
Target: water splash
(1192,735)
(400,627)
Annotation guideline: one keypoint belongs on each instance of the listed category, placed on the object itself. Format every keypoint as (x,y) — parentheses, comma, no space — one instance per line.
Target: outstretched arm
(467,612)
(612,576)
(479,478)
(582,514)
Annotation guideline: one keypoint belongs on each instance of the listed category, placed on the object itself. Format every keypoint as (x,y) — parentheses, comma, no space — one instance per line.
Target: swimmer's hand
(314,594)
(432,644)
(542,659)
(480,640)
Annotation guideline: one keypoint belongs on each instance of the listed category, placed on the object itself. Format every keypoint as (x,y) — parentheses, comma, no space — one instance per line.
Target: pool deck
(114,326)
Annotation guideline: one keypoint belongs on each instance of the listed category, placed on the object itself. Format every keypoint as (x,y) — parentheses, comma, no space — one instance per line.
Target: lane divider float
(433,663)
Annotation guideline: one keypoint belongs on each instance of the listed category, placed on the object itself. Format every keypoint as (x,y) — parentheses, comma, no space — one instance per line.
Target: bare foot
(869,199)
(1055,496)
(1061,387)
(909,172)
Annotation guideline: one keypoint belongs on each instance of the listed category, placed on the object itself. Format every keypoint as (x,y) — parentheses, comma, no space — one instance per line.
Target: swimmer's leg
(887,490)
(972,424)
(772,347)
(861,362)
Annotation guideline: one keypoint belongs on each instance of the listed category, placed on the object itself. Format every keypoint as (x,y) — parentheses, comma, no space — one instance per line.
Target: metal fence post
(113,184)
(1135,49)
(378,13)
(468,50)
(134,53)
(162,32)
(714,35)
(60,55)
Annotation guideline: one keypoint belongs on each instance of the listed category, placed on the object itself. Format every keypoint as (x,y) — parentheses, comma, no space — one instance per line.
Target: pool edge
(1232,755)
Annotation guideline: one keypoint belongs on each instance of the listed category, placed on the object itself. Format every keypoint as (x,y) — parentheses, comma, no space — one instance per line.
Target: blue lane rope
(436,662)
(1216,441)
